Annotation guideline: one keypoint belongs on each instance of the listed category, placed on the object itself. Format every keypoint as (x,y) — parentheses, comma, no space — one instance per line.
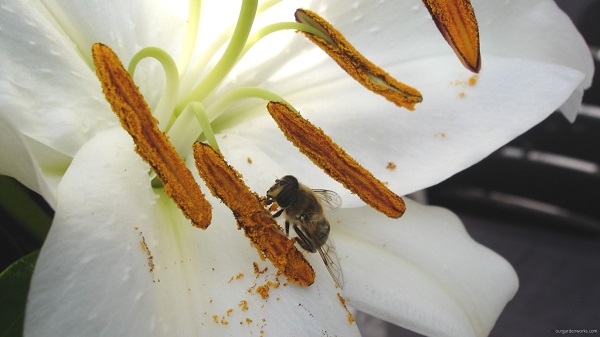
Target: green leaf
(23,207)
(14,285)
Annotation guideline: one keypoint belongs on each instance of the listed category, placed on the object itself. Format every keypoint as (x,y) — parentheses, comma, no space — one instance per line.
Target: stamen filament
(202,119)
(186,130)
(280,26)
(191,33)
(326,154)
(200,64)
(226,184)
(229,58)
(216,109)
(166,104)
(151,144)
(356,65)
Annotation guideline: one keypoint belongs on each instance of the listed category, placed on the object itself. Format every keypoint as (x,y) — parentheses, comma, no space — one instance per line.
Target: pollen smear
(150,143)
(226,184)
(332,159)
(362,70)
(456,21)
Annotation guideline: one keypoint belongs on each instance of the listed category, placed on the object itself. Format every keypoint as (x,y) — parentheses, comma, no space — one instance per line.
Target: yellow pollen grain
(150,143)
(456,21)
(226,184)
(332,159)
(357,66)
(146,250)
(473,80)
(263,291)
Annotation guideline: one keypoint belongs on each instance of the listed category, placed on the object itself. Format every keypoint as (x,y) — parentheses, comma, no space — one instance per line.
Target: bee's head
(284,191)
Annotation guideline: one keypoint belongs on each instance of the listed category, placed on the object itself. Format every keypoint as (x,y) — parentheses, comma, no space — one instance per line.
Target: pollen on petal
(150,143)
(326,154)
(362,70)
(226,184)
(456,21)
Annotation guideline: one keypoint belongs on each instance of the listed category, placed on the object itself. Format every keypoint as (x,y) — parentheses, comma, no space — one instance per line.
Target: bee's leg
(278,213)
(287,228)
(303,240)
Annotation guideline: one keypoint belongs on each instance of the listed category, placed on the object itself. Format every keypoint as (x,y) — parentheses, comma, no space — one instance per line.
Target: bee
(303,209)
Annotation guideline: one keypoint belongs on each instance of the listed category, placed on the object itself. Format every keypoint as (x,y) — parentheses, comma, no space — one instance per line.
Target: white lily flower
(121,259)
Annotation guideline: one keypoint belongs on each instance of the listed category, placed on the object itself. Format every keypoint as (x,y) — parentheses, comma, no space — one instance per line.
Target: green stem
(280,26)
(191,34)
(166,104)
(222,103)
(229,58)
(200,64)
(202,119)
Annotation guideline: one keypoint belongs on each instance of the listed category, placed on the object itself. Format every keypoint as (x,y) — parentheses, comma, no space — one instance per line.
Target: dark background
(540,213)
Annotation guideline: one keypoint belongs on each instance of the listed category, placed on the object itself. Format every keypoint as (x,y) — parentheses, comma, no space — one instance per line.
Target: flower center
(190,120)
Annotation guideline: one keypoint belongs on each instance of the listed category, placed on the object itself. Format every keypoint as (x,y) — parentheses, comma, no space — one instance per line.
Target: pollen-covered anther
(456,21)
(362,70)
(326,154)
(150,143)
(226,184)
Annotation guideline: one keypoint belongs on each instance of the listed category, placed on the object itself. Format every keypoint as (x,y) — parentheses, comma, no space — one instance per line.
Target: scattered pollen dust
(343,302)
(237,277)
(470,82)
(249,160)
(473,80)
(263,290)
(257,270)
(146,250)
(391,166)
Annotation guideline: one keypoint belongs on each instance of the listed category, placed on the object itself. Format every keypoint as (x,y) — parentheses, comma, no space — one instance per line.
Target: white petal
(34,165)
(47,93)
(126,27)
(48,89)
(94,277)
(422,272)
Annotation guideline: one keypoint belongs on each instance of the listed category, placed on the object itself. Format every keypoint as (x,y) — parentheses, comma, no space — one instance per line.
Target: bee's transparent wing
(332,262)
(331,199)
